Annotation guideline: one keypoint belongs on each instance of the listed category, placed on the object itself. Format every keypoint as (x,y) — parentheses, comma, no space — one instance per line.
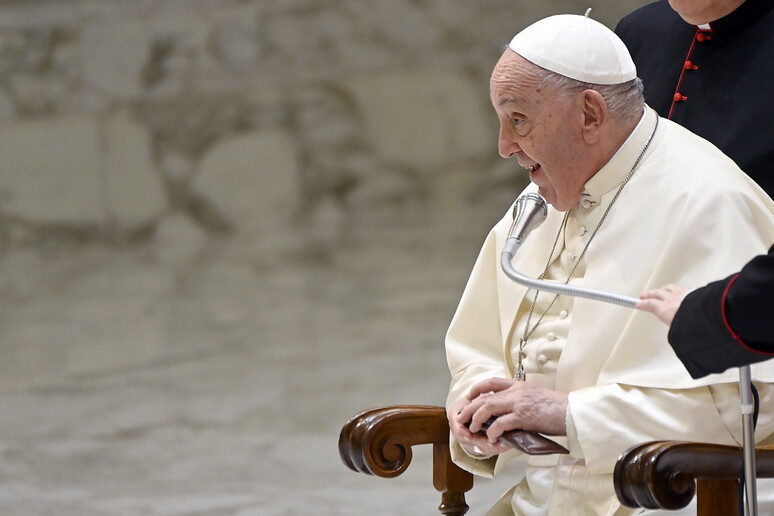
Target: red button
(679,96)
(703,36)
(689,66)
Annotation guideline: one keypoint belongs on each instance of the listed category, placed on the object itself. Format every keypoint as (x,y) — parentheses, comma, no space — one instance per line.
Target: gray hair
(624,101)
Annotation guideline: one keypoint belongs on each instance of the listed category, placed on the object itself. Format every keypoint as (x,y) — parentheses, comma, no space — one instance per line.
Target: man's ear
(595,113)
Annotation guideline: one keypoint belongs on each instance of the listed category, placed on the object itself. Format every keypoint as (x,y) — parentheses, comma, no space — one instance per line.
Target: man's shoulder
(689,168)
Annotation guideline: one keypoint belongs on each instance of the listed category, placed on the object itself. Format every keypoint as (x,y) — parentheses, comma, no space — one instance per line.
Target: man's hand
(663,302)
(515,405)
(475,444)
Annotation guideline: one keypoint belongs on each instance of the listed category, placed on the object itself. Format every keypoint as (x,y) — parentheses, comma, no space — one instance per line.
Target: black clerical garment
(719,82)
(727,323)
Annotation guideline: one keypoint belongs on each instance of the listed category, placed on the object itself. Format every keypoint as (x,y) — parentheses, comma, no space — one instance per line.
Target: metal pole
(748,443)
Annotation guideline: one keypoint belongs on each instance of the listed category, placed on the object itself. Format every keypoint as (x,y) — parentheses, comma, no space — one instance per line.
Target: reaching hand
(663,302)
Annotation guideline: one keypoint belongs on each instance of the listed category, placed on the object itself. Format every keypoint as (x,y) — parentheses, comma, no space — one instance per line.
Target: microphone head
(529,211)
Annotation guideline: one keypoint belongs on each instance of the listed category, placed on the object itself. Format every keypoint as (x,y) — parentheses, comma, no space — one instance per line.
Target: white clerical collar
(612,174)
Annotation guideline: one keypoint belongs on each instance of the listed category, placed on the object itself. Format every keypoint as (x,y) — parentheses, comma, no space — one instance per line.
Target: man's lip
(534,168)
(527,166)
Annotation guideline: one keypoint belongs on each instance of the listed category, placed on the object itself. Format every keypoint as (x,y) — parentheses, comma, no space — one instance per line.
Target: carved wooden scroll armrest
(666,474)
(378,442)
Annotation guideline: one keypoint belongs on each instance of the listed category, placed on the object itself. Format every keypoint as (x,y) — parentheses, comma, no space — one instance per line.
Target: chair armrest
(665,474)
(378,442)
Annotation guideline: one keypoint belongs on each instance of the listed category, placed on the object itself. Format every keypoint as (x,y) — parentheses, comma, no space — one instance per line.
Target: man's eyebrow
(510,100)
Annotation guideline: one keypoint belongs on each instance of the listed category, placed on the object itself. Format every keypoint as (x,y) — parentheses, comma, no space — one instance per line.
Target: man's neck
(714,11)
(619,132)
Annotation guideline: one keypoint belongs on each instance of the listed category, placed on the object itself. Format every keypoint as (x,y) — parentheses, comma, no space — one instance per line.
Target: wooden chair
(657,475)
(378,442)
(667,474)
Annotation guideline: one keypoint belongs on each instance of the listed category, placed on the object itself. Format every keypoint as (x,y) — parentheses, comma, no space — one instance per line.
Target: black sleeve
(707,340)
(750,303)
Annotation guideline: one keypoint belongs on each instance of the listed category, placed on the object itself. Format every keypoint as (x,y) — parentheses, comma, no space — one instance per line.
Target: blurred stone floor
(204,378)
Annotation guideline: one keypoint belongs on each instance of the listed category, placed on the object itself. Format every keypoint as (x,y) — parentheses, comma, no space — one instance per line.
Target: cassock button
(586,204)
(551,336)
(702,37)
(680,97)
(582,230)
(542,359)
(690,66)
(563,314)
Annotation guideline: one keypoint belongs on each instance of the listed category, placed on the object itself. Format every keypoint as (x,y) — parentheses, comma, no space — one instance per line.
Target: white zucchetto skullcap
(577,47)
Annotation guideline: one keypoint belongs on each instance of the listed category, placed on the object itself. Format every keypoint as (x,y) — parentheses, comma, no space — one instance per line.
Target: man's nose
(507,145)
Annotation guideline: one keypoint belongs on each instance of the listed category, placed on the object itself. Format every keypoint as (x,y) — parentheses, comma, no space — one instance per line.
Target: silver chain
(520,374)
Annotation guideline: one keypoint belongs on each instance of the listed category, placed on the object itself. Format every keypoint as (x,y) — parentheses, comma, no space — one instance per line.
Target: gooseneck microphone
(529,211)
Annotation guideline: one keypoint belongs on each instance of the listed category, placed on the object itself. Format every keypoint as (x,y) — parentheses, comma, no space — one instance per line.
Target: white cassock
(688,215)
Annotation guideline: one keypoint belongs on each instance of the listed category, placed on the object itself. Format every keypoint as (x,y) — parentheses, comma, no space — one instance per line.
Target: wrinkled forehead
(514,78)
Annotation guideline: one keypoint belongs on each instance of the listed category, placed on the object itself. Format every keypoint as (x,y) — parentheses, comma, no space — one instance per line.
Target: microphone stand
(748,427)
(530,211)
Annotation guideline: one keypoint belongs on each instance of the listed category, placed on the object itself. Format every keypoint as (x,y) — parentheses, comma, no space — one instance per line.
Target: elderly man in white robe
(636,202)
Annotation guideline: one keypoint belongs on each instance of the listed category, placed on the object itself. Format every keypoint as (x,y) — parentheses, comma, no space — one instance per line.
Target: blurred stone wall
(161,121)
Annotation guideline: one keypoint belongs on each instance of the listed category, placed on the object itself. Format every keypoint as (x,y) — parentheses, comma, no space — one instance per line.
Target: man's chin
(546,193)
(554,201)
